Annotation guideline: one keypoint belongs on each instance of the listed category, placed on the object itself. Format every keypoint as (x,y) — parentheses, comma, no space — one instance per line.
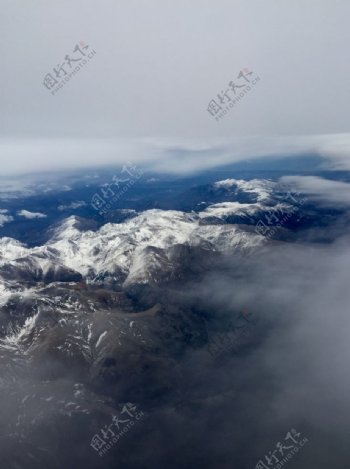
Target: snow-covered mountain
(99,315)
(153,247)
(145,247)
(128,251)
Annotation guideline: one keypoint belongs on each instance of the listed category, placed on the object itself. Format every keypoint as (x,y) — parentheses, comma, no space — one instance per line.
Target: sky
(143,94)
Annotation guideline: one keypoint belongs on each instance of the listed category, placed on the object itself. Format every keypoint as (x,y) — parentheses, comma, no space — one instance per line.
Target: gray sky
(158,63)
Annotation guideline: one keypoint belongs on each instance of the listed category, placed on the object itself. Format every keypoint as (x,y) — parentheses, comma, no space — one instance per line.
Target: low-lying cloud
(322,190)
(30,215)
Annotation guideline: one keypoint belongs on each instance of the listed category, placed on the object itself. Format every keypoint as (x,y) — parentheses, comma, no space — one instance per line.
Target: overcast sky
(157,65)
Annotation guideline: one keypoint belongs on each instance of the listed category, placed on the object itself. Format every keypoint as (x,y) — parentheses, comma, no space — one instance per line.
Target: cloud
(296,94)
(294,375)
(30,215)
(165,155)
(4,218)
(105,116)
(322,190)
(72,205)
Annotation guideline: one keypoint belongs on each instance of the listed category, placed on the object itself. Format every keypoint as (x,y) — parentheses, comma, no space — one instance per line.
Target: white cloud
(167,155)
(4,218)
(30,215)
(72,205)
(323,190)
(297,94)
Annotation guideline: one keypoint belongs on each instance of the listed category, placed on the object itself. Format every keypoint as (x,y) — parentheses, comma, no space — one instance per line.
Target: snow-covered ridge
(126,246)
(226,209)
(131,251)
(261,188)
(130,248)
